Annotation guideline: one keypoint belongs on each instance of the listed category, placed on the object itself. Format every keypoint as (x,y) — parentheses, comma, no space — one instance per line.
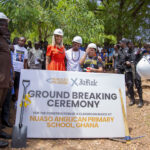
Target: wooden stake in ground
(127,134)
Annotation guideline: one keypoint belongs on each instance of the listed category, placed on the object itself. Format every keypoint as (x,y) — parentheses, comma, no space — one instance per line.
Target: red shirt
(57,56)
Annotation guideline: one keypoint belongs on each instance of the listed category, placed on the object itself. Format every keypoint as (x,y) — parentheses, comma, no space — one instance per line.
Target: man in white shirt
(74,55)
(20,58)
(35,57)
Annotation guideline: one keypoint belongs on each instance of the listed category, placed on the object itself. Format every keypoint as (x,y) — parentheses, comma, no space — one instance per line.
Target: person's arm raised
(82,60)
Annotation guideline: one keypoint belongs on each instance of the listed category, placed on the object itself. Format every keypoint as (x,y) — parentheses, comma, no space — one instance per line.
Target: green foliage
(123,18)
(28,17)
(75,19)
(41,17)
(109,21)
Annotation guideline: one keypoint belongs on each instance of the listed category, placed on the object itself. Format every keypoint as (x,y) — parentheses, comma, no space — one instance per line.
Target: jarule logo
(85,82)
(57,80)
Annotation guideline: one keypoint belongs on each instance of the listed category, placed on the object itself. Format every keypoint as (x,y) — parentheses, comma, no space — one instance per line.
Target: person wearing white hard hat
(55,55)
(5,67)
(90,62)
(74,55)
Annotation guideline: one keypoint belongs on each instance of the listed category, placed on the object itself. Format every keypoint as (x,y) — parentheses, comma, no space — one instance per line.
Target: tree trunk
(40,31)
(119,26)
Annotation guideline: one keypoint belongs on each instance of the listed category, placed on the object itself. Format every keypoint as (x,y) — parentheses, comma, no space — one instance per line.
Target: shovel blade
(19,136)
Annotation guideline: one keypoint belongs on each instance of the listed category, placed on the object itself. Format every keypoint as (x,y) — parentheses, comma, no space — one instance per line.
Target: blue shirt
(145,51)
(103,56)
(111,50)
(82,48)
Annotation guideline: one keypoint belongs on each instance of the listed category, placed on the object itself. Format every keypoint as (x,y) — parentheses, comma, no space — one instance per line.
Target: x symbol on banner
(74,82)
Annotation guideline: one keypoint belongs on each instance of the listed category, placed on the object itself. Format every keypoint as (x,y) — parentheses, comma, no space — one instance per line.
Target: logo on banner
(83,82)
(57,81)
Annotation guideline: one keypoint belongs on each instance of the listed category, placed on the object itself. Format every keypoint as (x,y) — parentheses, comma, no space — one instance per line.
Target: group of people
(17,56)
(126,60)
(74,59)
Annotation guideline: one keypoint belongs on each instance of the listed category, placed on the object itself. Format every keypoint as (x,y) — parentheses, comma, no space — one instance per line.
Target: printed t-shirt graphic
(92,62)
(20,53)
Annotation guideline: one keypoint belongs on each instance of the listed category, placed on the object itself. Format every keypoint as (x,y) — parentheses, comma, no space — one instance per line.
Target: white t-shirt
(73,59)
(99,49)
(20,53)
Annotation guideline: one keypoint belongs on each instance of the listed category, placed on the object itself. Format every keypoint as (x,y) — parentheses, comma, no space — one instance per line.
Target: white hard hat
(143,67)
(3,16)
(77,39)
(92,45)
(58,32)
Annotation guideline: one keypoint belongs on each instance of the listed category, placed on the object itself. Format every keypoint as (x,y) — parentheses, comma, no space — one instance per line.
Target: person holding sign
(90,62)
(55,55)
(74,55)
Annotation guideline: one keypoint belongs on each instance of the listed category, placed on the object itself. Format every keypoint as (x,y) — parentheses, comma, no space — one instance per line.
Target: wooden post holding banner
(127,134)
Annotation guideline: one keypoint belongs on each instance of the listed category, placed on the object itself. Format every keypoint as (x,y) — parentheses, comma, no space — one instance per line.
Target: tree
(40,17)
(75,18)
(28,17)
(122,18)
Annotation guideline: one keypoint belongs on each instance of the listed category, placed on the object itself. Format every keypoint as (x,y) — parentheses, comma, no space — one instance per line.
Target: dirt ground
(138,122)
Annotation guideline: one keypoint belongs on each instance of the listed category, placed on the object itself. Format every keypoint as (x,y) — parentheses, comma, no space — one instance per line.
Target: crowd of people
(121,58)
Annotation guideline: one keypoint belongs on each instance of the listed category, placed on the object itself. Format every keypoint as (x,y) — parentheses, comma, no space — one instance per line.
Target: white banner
(72,104)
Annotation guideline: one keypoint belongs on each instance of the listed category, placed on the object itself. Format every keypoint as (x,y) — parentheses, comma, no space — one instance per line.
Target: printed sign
(61,104)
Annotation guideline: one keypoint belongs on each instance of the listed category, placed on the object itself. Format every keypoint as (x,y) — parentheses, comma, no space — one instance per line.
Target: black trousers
(138,85)
(3,93)
(120,71)
(130,84)
(6,107)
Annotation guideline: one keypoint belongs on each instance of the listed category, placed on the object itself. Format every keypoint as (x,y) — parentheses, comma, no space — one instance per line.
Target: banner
(61,104)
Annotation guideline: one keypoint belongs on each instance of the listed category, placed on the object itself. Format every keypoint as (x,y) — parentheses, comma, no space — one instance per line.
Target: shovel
(19,133)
